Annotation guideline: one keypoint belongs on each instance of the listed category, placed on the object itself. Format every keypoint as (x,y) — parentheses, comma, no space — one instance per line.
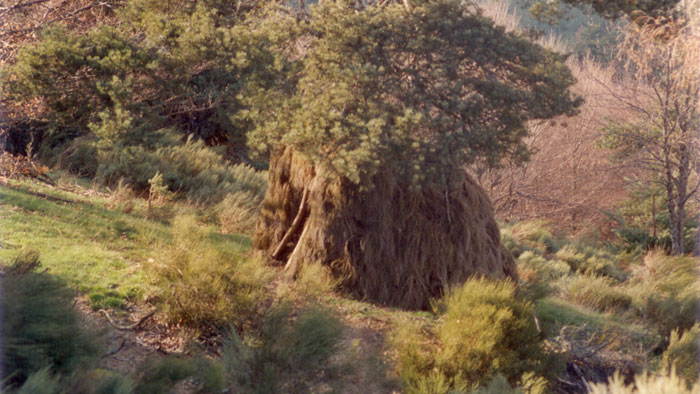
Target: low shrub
(645,384)
(591,260)
(667,292)
(537,274)
(161,376)
(547,270)
(42,381)
(205,287)
(239,211)
(287,355)
(191,170)
(596,292)
(40,328)
(484,330)
(314,280)
(682,354)
(534,236)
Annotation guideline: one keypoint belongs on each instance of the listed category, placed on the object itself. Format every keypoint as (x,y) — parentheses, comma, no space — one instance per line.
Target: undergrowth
(206,285)
(484,330)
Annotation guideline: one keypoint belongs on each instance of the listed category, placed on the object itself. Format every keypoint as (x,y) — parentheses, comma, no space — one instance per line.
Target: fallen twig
(580,375)
(115,351)
(130,326)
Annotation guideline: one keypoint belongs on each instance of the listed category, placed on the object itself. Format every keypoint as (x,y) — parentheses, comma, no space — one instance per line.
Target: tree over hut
(369,144)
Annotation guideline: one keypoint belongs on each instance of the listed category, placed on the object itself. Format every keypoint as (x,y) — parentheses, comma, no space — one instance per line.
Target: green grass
(97,250)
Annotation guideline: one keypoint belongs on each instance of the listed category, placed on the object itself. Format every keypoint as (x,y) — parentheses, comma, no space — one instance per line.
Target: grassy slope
(100,249)
(82,237)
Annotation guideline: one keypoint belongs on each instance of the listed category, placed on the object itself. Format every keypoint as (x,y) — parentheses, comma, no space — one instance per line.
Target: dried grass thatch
(392,244)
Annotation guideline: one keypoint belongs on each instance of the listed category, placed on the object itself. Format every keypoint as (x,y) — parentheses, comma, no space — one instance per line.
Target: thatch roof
(391,244)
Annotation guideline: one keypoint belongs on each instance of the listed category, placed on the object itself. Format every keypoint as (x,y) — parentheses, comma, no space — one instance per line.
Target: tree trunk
(388,243)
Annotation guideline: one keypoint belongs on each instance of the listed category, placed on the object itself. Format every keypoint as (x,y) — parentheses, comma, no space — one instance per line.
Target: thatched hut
(390,243)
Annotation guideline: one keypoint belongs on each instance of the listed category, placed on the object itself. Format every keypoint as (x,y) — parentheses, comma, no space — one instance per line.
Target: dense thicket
(136,96)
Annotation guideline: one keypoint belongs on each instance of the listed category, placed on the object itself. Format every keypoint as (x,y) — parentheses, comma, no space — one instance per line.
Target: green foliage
(115,384)
(597,292)
(108,96)
(592,260)
(78,77)
(204,287)
(359,107)
(41,382)
(611,8)
(160,377)
(533,236)
(287,354)
(645,384)
(643,220)
(39,326)
(547,269)
(239,211)
(191,170)
(683,353)
(485,330)
(315,280)
(666,291)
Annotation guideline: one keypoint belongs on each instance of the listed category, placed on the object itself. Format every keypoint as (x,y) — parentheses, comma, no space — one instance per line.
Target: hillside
(597,310)
(416,196)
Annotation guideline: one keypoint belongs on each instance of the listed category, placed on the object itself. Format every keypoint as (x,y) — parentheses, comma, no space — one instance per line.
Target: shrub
(288,353)
(683,353)
(159,377)
(203,287)
(239,211)
(591,260)
(191,170)
(485,330)
(595,292)
(41,382)
(315,280)
(645,384)
(547,270)
(537,274)
(39,326)
(534,236)
(667,291)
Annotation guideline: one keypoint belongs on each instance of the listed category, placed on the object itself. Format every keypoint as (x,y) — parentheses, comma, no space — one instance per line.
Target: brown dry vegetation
(22,20)
(569,180)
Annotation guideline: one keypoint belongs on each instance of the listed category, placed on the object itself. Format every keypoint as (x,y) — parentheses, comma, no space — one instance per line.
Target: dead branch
(127,327)
(294,228)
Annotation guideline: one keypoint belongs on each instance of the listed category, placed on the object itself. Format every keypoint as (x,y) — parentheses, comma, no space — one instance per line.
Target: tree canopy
(419,89)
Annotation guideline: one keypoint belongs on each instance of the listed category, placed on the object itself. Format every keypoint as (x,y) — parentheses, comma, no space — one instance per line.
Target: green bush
(484,330)
(597,292)
(547,270)
(534,236)
(191,170)
(159,377)
(41,382)
(683,353)
(666,291)
(203,287)
(645,384)
(314,280)
(287,354)
(39,326)
(591,260)
(238,211)
(538,274)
